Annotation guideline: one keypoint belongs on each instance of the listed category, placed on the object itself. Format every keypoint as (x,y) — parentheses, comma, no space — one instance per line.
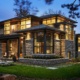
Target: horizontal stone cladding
(43,62)
(78,54)
(70,48)
(29,47)
(67,48)
(57,47)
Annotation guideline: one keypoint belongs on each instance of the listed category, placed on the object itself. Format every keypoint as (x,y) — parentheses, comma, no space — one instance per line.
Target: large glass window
(39,43)
(56,36)
(26,23)
(69,32)
(49,43)
(13,47)
(62,27)
(22,24)
(60,19)
(49,21)
(14,28)
(7,27)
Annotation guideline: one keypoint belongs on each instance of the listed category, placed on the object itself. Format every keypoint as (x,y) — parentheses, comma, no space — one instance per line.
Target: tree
(50,11)
(72,7)
(24,8)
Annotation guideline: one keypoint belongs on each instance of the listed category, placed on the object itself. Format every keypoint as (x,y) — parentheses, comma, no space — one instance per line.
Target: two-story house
(50,34)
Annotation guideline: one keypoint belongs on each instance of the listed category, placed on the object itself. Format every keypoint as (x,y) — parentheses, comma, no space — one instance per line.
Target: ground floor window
(13,47)
(43,40)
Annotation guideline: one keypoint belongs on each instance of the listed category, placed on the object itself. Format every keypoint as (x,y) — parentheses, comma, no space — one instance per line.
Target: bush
(76,59)
(28,56)
(45,56)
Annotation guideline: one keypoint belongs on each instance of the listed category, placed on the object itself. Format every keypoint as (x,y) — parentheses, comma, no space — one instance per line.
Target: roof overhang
(39,27)
(11,36)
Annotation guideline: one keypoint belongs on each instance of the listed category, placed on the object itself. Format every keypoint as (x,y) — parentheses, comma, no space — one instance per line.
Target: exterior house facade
(77,45)
(32,35)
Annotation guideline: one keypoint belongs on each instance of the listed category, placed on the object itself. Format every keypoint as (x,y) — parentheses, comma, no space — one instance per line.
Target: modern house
(50,34)
(77,47)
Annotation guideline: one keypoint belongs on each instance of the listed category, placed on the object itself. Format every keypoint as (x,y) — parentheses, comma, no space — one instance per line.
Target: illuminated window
(78,48)
(67,29)
(26,23)
(67,36)
(62,27)
(28,36)
(53,20)
(56,36)
(13,28)
(44,21)
(22,24)
(60,19)
(48,21)
(7,27)
(78,39)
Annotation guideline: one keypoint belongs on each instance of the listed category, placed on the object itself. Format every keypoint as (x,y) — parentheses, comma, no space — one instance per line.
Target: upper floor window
(22,24)
(28,23)
(14,28)
(62,27)
(7,27)
(60,19)
(69,32)
(49,21)
(25,23)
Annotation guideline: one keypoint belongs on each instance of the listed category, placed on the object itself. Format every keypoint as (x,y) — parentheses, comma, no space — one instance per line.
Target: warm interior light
(12,27)
(78,39)
(78,48)
(28,36)
(48,51)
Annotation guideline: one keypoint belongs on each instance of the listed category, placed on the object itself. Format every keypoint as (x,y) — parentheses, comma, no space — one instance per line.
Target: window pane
(78,39)
(49,50)
(62,27)
(39,50)
(44,21)
(78,48)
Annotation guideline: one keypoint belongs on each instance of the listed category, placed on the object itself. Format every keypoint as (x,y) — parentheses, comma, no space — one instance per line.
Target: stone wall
(43,62)
(29,47)
(69,48)
(57,47)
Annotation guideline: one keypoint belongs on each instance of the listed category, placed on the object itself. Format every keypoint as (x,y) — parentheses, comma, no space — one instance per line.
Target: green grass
(41,72)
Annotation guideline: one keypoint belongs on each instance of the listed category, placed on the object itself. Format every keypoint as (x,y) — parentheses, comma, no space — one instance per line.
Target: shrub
(76,59)
(45,56)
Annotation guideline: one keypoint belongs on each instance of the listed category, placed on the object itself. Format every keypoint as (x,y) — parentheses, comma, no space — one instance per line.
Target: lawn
(68,72)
